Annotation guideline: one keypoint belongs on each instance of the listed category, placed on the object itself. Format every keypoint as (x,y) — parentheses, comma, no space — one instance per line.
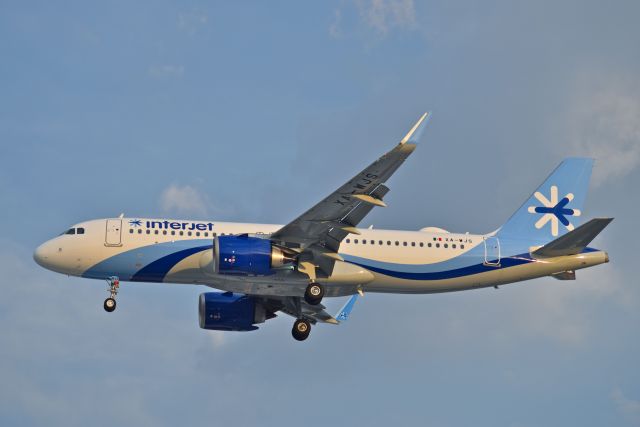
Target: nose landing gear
(110,303)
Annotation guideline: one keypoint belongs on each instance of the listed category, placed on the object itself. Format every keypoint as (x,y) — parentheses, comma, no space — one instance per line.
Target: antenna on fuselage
(121,215)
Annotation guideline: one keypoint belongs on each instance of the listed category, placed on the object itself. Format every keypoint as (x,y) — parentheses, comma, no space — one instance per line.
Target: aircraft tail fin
(574,241)
(555,207)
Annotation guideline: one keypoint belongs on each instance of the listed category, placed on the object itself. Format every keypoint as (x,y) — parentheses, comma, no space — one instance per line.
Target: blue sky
(253,111)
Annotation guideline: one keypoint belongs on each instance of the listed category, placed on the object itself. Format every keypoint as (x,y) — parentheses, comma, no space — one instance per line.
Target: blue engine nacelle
(245,255)
(226,311)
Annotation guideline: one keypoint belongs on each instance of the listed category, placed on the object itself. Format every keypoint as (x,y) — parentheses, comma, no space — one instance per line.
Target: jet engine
(226,311)
(245,255)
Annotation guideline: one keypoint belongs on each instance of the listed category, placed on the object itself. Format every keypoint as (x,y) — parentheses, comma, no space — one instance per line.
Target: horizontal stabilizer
(574,241)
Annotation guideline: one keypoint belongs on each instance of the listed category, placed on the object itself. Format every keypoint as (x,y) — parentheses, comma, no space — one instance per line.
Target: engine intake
(226,311)
(246,255)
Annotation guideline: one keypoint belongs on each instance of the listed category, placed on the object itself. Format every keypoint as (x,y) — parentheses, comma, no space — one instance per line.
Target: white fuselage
(426,261)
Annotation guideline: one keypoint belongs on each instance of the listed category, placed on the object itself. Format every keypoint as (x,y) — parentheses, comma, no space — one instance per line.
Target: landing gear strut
(314,293)
(110,303)
(301,329)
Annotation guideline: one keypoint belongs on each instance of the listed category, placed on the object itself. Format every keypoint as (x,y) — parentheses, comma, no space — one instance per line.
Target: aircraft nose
(42,255)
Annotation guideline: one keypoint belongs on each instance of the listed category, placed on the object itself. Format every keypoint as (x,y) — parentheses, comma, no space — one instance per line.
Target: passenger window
(404,243)
(380,242)
(173,232)
(429,245)
(437,245)
(348,241)
(164,232)
(148,231)
(397,243)
(461,246)
(373,242)
(189,233)
(131,230)
(355,240)
(80,230)
(206,234)
(156,232)
(446,246)
(364,241)
(197,233)
(139,231)
(421,244)
(182,233)
(389,242)
(453,246)
(413,243)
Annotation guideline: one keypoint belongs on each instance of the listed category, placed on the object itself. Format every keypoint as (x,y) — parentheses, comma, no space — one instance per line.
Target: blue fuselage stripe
(450,274)
(158,269)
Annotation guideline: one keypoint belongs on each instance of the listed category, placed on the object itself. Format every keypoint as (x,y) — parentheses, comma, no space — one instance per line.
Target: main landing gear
(110,303)
(301,329)
(314,293)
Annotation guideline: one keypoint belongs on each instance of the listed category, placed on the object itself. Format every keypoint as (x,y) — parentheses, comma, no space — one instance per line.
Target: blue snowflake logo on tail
(554,211)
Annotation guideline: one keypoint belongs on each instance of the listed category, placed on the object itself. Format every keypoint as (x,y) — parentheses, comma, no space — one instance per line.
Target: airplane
(263,269)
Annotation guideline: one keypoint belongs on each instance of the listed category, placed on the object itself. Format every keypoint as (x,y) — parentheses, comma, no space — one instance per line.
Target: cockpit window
(78,230)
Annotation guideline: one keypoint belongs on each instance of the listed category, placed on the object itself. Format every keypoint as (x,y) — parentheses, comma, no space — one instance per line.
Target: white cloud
(629,407)
(166,70)
(384,15)
(563,311)
(605,124)
(191,22)
(334,28)
(217,338)
(185,200)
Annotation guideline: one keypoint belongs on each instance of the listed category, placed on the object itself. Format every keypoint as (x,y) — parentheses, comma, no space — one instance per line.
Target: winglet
(416,131)
(345,311)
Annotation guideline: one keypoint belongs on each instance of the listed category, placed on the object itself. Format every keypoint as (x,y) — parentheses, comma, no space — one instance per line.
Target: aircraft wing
(318,232)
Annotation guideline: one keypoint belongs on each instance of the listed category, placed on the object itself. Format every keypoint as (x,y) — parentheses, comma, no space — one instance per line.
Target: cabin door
(113,236)
(491,251)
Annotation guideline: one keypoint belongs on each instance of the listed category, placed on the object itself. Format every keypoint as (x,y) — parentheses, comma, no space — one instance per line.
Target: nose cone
(42,255)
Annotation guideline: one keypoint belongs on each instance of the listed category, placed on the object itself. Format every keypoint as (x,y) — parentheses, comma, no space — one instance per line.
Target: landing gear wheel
(314,293)
(109,305)
(301,330)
